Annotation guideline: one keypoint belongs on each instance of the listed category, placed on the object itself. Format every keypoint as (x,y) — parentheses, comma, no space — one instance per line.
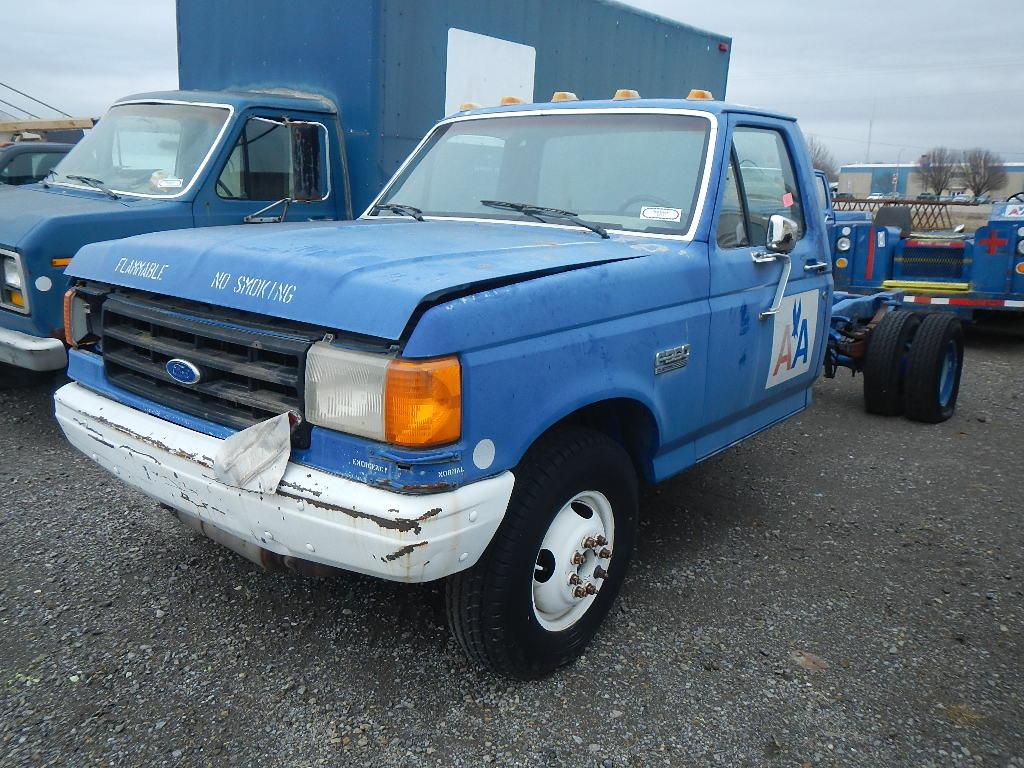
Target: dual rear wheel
(913,366)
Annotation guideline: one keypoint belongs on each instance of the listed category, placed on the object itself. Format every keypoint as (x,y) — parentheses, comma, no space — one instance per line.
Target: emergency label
(793,338)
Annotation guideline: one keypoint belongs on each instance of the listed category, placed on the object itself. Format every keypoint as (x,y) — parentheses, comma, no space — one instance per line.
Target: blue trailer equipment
(944,271)
(546,303)
(298,112)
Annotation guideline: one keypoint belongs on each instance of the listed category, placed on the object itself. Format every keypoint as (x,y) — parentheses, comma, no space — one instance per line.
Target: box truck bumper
(32,352)
(314,519)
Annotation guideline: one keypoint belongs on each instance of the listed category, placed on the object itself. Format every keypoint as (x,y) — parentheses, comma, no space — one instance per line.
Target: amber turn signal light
(423,402)
(69,296)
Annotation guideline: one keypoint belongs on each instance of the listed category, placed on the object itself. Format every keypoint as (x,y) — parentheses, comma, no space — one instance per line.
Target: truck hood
(27,208)
(366,277)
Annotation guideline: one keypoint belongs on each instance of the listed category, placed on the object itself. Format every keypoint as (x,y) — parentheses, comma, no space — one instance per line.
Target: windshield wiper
(49,173)
(538,211)
(95,184)
(400,208)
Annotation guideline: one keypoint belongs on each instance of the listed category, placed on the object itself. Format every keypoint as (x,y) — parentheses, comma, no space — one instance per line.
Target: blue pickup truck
(546,305)
(299,112)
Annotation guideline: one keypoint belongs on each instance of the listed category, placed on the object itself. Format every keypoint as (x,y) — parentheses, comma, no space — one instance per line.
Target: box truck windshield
(145,150)
(592,165)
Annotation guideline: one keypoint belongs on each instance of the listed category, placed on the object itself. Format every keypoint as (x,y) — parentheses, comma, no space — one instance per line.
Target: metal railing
(926,215)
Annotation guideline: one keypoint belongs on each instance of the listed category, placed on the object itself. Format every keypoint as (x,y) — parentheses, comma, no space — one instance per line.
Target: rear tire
(885,362)
(514,612)
(934,366)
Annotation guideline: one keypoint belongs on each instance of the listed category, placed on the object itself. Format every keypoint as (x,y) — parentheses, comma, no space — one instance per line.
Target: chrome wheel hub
(573,560)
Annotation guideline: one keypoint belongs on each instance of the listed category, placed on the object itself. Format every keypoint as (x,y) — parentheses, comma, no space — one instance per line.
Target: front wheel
(553,569)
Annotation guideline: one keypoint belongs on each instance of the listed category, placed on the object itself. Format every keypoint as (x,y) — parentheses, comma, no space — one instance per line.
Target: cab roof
(700,105)
(241,99)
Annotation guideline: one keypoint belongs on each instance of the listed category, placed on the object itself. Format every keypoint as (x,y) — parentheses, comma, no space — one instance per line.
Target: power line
(37,101)
(15,106)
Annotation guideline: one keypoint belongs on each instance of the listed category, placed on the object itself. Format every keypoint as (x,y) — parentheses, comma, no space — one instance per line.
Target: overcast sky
(933,71)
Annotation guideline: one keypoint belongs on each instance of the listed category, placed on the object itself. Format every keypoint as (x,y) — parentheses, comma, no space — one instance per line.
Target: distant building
(863,179)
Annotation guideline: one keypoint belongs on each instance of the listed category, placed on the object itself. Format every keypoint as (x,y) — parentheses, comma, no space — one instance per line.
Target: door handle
(817,266)
(763,257)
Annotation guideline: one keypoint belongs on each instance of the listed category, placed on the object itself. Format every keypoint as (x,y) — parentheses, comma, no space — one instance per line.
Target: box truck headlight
(14,283)
(410,403)
(843,244)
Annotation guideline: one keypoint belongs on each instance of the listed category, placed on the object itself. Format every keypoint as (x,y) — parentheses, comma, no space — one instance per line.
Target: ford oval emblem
(183,372)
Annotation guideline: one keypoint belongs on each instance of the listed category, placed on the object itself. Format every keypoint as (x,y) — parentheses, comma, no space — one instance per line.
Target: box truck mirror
(308,158)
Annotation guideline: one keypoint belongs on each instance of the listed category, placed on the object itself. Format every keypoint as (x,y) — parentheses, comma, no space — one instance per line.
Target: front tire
(551,573)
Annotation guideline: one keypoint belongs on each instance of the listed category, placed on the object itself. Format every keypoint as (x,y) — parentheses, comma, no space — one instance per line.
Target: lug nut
(578,558)
(579,592)
(600,573)
(601,541)
(590,589)
(589,543)
(605,553)
(575,579)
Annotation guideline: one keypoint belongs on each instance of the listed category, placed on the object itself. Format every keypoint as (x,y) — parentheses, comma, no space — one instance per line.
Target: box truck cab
(160,161)
(547,303)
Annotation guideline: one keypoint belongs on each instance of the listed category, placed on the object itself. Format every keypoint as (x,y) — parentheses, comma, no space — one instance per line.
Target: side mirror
(782,234)
(307,158)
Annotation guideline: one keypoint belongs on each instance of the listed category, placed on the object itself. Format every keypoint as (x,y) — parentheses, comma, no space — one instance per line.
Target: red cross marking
(993,242)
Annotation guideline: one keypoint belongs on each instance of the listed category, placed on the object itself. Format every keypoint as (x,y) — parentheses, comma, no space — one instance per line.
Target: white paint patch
(482,69)
(43,284)
(483,454)
(793,338)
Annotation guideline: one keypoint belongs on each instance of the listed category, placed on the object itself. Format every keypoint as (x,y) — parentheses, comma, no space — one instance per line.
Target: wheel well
(628,422)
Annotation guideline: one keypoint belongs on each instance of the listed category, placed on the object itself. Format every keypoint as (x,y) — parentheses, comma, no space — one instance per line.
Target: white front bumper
(314,516)
(32,352)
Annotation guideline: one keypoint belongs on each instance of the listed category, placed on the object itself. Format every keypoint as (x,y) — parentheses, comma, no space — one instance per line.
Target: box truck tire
(551,573)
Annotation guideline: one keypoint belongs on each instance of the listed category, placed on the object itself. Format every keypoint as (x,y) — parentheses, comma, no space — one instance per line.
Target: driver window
(768,180)
(260,165)
(732,219)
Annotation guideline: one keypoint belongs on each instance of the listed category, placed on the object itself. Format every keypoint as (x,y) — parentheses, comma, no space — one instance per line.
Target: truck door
(763,355)
(272,159)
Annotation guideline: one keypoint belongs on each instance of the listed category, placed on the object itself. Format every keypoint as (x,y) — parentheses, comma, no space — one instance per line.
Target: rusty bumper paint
(314,516)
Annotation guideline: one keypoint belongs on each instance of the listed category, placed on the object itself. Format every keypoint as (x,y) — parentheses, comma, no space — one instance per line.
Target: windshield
(144,149)
(638,172)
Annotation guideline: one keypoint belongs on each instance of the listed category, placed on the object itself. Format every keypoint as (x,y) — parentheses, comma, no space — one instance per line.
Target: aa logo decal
(793,338)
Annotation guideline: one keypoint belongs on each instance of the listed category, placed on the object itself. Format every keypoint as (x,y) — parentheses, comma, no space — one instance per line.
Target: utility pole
(871,128)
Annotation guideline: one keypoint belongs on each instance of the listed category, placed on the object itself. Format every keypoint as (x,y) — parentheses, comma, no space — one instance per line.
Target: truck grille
(251,369)
(922,259)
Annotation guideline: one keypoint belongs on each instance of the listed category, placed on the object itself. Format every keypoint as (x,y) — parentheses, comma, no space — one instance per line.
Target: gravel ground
(842,590)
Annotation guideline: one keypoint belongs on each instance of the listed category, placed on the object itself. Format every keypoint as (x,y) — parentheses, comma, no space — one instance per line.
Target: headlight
(12,273)
(1020,247)
(12,295)
(412,403)
(843,244)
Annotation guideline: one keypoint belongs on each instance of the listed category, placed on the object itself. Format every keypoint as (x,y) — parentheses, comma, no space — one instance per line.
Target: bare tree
(937,167)
(822,158)
(983,171)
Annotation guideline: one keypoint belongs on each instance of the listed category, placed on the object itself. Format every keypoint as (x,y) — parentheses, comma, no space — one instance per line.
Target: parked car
(843,196)
(27,162)
(928,197)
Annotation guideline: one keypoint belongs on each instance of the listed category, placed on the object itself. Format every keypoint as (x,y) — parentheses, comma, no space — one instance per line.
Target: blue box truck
(300,112)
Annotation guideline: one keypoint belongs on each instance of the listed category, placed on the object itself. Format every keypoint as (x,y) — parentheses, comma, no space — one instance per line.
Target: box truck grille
(933,261)
(251,368)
